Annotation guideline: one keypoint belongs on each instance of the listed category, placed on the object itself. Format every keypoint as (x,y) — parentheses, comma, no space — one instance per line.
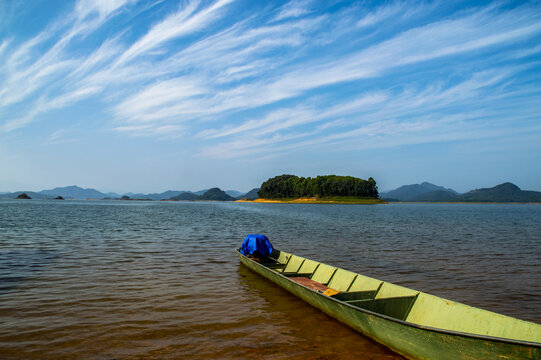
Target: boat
(411,323)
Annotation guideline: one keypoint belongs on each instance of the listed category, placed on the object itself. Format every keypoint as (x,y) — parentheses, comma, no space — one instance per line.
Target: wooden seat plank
(309,283)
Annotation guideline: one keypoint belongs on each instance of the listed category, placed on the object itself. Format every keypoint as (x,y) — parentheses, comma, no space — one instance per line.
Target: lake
(129,279)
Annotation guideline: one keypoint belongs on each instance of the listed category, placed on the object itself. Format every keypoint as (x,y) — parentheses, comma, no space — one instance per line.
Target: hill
(250,195)
(186,196)
(436,196)
(233,193)
(216,194)
(75,192)
(506,192)
(78,193)
(503,193)
(410,192)
(176,195)
(156,196)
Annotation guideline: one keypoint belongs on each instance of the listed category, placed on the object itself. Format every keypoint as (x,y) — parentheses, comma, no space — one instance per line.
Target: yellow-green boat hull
(410,340)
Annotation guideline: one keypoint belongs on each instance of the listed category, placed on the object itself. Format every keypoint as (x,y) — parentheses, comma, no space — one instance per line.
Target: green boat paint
(409,322)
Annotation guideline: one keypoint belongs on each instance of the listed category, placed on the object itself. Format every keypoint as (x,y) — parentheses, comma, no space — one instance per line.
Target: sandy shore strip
(314,200)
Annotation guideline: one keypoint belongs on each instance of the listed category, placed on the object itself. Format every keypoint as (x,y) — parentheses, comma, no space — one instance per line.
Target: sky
(147,96)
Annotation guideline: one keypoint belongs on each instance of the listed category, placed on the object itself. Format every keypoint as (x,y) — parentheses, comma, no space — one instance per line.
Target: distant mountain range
(155,196)
(78,193)
(411,192)
(424,192)
(67,192)
(31,194)
(75,192)
(216,194)
(427,192)
(186,196)
(250,195)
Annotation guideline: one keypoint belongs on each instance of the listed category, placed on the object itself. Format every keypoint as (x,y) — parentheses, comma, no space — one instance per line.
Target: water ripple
(95,280)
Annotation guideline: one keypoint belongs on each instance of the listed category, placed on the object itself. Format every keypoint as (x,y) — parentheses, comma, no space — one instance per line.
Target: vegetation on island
(328,188)
(216,194)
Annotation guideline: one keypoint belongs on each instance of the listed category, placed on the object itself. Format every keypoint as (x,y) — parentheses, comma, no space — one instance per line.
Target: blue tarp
(256,242)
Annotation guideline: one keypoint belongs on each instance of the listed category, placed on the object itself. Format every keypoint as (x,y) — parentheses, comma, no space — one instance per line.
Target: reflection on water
(161,280)
(303,330)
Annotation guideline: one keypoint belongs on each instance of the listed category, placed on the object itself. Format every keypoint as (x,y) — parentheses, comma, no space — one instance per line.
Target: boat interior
(398,302)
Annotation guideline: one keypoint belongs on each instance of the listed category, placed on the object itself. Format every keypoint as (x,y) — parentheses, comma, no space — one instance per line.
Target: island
(327,189)
(23,196)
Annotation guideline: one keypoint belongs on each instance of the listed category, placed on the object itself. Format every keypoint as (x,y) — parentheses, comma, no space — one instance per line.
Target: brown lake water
(132,280)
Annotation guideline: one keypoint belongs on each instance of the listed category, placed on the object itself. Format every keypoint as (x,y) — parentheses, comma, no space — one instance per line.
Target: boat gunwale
(407,323)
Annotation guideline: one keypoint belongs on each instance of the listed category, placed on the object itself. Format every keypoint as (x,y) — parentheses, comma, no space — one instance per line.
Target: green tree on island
(291,186)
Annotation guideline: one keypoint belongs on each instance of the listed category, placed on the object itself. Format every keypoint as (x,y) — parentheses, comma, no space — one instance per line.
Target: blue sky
(145,96)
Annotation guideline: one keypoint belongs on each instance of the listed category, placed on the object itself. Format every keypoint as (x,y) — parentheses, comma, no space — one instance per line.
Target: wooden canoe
(411,323)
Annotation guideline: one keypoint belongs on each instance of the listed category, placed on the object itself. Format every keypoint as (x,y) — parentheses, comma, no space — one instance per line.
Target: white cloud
(61,136)
(144,105)
(288,118)
(252,78)
(381,119)
(104,8)
(445,38)
(382,13)
(294,9)
(26,74)
(3,47)
(98,58)
(185,21)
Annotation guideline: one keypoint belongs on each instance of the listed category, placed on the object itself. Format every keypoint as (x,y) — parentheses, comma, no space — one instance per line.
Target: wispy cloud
(27,74)
(446,38)
(287,77)
(382,13)
(379,120)
(61,136)
(183,22)
(3,47)
(288,118)
(152,102)
(294,9)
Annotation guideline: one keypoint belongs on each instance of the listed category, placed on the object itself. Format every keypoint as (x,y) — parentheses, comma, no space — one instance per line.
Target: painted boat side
(410,340)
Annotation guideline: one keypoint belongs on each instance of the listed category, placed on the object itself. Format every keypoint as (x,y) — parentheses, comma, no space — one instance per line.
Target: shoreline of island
(314,200)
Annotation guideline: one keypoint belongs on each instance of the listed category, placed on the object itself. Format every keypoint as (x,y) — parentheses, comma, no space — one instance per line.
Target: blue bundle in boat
(256,243)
